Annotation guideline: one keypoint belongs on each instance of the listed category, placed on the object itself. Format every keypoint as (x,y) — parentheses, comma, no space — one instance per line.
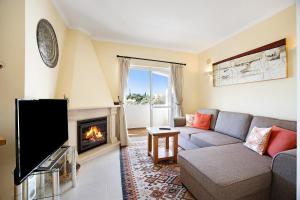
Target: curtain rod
(118,56)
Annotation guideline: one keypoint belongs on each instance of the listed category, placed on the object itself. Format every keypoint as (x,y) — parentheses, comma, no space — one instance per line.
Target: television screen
(41,128)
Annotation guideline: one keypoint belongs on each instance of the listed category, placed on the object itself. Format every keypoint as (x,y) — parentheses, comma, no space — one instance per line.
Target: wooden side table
(2,141)
(162,153)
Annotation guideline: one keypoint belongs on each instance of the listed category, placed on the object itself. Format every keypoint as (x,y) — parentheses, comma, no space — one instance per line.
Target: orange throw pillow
(281,140)
(202,121)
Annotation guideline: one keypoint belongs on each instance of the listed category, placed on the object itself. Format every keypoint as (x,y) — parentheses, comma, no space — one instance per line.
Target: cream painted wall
(81,78)
(276,98)
(107,51)
(40,79)
(12,13)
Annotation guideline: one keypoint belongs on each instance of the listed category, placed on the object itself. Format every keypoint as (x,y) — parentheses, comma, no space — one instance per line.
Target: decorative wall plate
(47,43)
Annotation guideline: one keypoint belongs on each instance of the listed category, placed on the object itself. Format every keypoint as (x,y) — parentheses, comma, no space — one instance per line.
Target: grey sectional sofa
(216,165)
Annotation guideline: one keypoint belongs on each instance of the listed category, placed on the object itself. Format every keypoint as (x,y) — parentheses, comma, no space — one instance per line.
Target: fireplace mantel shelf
(93,108)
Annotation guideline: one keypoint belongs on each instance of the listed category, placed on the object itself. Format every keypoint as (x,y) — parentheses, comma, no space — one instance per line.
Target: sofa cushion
(202,121)
(214,115)
(189,118)
(281,140)
(186,132)
(258,139)
(228,172)
(263,122)
(233,124)
(211,138)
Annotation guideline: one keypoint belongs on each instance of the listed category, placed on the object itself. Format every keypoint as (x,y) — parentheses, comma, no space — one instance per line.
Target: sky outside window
(139,80)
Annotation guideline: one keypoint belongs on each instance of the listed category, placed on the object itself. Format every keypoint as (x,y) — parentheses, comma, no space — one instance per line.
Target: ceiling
(185,25)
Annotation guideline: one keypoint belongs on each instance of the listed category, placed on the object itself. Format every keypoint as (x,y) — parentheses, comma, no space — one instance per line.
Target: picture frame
(268,62)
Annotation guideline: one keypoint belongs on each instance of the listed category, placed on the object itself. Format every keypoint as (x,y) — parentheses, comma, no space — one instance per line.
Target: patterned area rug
(141,179)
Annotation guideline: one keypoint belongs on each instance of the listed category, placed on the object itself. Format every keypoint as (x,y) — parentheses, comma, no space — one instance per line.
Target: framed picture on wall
(268,62)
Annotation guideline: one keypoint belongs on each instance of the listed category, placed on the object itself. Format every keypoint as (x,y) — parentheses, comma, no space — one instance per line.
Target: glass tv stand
(54,177)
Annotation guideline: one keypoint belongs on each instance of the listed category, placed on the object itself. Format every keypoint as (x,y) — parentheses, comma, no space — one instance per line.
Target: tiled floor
(99,179)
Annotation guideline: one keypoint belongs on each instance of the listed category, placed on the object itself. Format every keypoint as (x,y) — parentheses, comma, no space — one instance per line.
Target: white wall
(40,80)
(12,40)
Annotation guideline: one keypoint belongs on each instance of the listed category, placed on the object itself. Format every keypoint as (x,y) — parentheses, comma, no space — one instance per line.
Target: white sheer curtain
(177,84)
(124,64)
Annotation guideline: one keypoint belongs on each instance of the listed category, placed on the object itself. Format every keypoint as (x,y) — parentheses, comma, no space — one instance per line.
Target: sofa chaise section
(226,172)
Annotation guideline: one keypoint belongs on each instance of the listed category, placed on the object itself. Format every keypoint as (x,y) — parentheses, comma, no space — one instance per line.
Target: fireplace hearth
(91,133)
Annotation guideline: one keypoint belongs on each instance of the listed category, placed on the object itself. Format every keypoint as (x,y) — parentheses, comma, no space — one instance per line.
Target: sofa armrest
(284,175)
(179,121)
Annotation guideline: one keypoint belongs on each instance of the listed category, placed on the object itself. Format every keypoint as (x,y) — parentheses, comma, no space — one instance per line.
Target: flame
(93,133)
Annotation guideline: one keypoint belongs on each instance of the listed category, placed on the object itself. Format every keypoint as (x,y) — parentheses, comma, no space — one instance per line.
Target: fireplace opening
(91,133)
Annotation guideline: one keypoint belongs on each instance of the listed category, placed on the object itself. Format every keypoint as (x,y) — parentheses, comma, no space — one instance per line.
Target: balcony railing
(139,116)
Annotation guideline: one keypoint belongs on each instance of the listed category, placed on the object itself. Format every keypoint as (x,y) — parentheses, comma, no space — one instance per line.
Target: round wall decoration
(47,43)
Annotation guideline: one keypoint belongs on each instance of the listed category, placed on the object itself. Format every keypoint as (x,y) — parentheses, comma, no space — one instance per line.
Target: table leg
(149,144)
(167,142)
(155,149)
(175,146)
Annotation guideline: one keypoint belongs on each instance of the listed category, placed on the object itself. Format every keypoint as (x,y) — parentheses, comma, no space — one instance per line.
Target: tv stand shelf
(51,178)
(52,161)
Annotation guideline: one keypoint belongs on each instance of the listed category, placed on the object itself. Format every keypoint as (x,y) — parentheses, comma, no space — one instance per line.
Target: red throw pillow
(202,121)
(281,140)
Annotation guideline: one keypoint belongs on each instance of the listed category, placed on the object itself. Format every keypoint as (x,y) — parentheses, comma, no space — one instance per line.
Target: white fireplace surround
(79,114)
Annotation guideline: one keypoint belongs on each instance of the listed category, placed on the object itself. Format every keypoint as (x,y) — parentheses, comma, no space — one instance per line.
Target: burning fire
(93,134)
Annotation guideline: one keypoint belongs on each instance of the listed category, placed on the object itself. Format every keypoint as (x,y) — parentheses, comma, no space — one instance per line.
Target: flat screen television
(41,129)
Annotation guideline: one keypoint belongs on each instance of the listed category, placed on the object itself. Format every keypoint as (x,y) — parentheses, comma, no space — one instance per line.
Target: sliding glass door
(160,109)
(148,101)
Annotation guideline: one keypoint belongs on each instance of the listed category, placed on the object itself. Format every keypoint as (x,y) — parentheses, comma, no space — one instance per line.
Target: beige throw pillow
(258,139)
(189,118)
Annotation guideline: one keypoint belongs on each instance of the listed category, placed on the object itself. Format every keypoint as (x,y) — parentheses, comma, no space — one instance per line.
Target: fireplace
(91,133)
